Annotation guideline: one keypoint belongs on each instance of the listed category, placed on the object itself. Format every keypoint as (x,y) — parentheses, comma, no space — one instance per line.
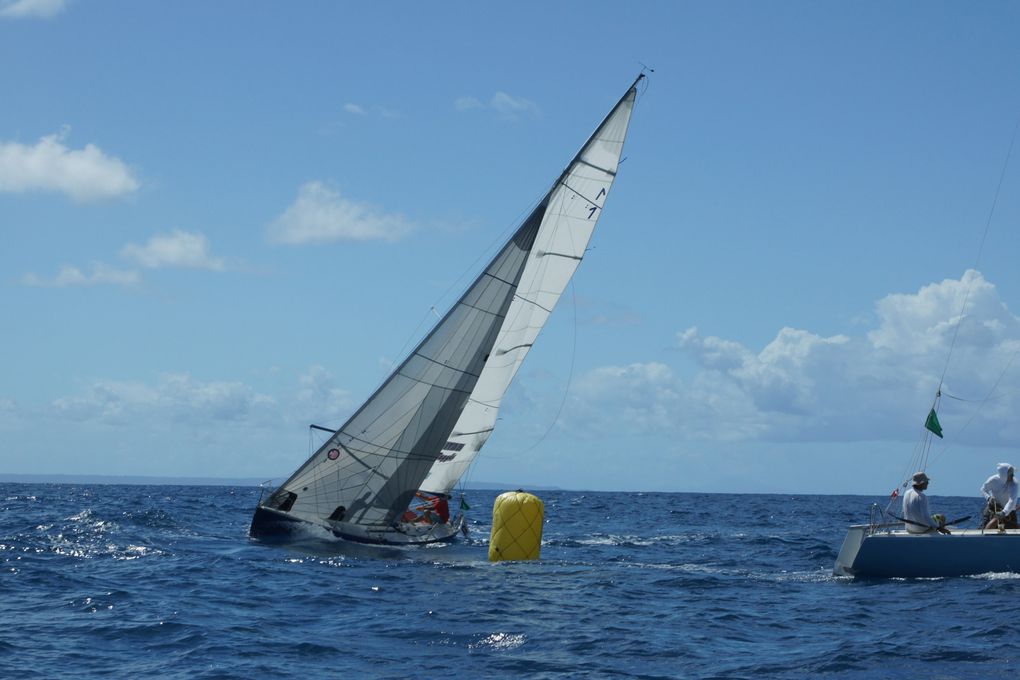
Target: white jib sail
(573,208)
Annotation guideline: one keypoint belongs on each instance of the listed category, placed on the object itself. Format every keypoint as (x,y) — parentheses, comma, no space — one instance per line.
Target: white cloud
(319,398)
(177,249)
(72,277)
(512,107)
(320,214)
(468,104)
(806,387)
(183,399)
(175,397)
(501,103)
(31,9)
(928,319)
(359,110)
(84,174)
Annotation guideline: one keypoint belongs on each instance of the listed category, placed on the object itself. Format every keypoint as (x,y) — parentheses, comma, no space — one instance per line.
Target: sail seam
(389,452)
(444,365)
(580,195)
(531,302)
(501,280)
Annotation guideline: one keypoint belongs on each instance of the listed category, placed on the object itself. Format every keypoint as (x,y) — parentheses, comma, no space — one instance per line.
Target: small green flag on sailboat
(463,504)
(933,424)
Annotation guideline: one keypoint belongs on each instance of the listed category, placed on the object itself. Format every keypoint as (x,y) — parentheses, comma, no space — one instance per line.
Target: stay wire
(981,248)
(570,376)
(981,403)
(966,299)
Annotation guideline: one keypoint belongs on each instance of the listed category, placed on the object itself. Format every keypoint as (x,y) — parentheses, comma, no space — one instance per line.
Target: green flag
(933,424)
(463,504)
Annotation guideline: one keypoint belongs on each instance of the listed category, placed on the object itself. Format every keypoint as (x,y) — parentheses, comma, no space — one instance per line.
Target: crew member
(915,508)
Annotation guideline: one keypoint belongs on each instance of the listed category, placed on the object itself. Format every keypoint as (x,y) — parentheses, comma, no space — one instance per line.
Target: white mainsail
(446,394)
(574,206)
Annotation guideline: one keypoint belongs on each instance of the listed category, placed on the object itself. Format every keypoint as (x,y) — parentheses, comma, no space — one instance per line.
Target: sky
(222,222)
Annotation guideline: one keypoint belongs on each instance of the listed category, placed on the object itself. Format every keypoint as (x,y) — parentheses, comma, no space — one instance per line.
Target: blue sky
(224,221)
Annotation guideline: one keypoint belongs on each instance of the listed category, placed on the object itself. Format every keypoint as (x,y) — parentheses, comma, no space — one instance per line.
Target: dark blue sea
(111,581)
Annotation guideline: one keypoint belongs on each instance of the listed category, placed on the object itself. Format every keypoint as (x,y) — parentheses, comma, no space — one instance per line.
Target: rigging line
(981,247)
(570,376)
(977,262)
(981,403)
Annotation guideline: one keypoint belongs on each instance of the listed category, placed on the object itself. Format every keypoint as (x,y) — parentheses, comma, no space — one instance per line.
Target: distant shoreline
(143,480)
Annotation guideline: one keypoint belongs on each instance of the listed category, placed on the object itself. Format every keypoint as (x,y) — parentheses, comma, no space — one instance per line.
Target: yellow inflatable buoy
(516,527)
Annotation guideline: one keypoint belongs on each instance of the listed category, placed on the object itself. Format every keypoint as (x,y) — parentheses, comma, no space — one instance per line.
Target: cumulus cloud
(359,110)
(320,398)
(83,174)
(183,399)
(512,107)
(175,397)
(468,104)
(806,387)
(178,249)
(31,9)
(70,276)
(320,214)
(501,103)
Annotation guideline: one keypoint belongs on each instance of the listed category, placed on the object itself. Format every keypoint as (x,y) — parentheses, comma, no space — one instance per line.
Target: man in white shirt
(915,508)
(1000,491)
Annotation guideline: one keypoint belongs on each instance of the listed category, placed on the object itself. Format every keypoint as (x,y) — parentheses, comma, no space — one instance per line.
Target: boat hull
(899,554)
(274,526)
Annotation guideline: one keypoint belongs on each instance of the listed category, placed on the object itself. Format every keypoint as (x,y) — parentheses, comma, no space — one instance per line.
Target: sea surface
(117,581)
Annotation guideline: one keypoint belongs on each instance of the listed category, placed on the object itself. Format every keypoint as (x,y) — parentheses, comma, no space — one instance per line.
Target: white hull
(884,552)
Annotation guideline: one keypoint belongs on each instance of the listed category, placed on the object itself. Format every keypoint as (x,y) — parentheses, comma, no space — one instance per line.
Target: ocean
(131,581)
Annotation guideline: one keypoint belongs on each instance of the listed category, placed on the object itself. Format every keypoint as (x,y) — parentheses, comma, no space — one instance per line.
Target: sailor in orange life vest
(436,509)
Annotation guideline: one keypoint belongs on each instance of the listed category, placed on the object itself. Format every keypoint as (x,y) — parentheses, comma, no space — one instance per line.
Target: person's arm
(1010,505)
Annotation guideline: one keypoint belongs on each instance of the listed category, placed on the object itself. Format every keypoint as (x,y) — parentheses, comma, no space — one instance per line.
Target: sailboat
(418,433)
(890,546)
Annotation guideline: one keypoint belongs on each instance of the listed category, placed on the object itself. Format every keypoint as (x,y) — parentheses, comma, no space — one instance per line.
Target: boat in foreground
(889,551)
(419,432)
